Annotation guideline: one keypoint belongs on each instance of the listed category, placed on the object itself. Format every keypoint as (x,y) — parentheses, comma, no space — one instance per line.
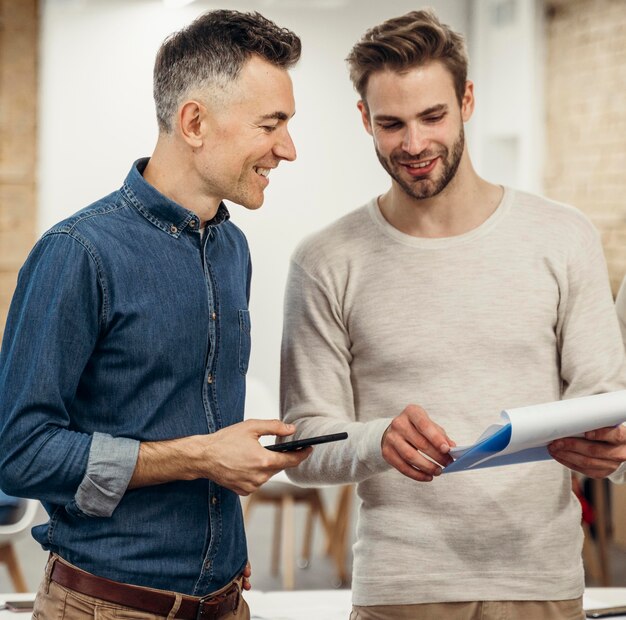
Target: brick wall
(586,116)
(18,116)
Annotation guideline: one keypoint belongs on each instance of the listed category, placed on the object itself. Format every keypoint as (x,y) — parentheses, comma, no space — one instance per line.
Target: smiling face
(417,126)
(245,134)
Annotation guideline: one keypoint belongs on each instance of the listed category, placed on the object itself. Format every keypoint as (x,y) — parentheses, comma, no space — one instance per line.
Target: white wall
(507,56)
(97,118)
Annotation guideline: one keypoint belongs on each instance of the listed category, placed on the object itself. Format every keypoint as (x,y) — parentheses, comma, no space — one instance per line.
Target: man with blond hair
(123,366)
(414,320)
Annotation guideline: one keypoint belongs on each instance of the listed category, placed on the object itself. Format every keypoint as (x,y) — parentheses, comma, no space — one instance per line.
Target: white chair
(11,533)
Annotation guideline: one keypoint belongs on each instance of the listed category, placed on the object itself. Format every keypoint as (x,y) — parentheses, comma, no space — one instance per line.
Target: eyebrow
(435,109)
(278,116)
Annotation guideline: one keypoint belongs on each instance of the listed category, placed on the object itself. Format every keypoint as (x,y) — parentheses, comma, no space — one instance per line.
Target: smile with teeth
(422,164)
(264,172)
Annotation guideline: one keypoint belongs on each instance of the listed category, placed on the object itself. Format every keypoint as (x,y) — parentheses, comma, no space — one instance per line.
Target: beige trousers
(54,602)
(482,610)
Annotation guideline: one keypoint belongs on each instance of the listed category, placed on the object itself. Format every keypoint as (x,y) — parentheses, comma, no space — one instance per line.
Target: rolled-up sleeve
(110,467)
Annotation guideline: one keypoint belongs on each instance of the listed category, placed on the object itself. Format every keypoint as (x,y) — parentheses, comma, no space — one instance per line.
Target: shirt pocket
(244,341)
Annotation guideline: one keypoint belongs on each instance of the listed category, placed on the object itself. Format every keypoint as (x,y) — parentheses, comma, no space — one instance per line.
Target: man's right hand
(232,457)
(236,460)
(410,437)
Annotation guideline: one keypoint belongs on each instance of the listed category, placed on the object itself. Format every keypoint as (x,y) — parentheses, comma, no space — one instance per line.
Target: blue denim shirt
(128,326)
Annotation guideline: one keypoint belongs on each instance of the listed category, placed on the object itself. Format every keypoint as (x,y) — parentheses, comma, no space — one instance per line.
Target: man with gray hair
(123,364)
(414,320)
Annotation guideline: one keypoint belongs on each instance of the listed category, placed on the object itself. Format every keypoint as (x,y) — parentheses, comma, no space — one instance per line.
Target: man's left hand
(597,455)
(247,571)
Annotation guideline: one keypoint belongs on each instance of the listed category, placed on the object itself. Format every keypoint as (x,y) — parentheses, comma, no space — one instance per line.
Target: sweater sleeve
(316,391)
(591,347)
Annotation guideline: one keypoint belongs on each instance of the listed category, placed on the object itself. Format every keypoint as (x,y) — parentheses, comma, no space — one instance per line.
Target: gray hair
(210,53)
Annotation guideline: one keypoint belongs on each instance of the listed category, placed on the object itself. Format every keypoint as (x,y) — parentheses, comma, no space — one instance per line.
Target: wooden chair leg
(247,509)
(308,531)
(277,535)
(8,557)
(337,542)
(321,511)
(341,530)
(288,542)
(601,520)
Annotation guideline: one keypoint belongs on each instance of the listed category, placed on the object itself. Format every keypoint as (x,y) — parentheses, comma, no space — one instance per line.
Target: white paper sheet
(526,431)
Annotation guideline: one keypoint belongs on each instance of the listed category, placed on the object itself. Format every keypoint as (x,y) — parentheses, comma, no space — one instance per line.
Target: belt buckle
(201,602)
(216,600)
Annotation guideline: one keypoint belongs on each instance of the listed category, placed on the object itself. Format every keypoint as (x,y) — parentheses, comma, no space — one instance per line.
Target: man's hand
(597,455)
(410,438)
(247,571)
(232,457)
(236,460)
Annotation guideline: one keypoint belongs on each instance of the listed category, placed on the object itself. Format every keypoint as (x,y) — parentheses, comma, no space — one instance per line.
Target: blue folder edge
(487,447)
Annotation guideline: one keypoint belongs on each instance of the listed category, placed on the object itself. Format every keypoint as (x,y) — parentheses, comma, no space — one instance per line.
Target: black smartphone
(19,605)
(606,612)
(289,446)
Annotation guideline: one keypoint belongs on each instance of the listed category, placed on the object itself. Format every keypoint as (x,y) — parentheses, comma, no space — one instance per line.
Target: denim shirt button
(213,315)
(192,224)
(209,379)
(173,229)
(214,500)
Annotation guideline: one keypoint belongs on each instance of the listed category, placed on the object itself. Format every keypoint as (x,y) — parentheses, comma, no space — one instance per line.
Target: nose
(285,148)
(413,141)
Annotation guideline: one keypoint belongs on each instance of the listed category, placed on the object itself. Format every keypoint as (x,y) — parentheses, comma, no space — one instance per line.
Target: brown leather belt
(155,602)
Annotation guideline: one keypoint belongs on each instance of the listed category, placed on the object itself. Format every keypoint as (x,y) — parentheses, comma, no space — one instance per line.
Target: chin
(253,203)
(252,206)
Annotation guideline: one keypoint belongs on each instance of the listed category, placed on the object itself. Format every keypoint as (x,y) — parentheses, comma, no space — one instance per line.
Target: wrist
(167,461)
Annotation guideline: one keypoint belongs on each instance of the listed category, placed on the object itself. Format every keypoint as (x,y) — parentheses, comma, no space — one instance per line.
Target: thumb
(271,427)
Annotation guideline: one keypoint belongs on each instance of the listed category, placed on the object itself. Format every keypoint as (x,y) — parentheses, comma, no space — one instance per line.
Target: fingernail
(445,448)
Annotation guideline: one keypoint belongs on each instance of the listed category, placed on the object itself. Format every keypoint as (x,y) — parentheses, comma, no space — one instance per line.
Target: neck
(170,170)
(464,204)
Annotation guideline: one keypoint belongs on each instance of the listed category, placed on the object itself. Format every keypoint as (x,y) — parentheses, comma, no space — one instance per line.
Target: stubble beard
(425,187)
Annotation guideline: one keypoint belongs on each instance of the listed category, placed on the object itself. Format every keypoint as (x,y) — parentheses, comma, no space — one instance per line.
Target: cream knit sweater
(515,312)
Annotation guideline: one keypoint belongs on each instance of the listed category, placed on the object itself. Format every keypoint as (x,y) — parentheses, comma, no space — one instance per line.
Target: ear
(365,116)
(467,103)
(191,118)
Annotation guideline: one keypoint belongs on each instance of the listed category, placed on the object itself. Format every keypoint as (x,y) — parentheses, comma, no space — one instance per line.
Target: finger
(597,449)
(416,459)
(611,434)
(419,441)
(398,449)
(271,427)
(424,426)
(395,460)
(432,432)
(246,585)
(589,466)
(247,571)
(585,471)
(287,460)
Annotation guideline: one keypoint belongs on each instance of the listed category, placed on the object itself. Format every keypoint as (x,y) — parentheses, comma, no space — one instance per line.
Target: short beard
(421,189)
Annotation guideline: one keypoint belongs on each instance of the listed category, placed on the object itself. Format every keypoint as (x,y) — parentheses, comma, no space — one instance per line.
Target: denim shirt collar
(158,209)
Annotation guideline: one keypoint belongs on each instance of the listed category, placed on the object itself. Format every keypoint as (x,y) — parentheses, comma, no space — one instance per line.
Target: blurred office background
(76,110)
